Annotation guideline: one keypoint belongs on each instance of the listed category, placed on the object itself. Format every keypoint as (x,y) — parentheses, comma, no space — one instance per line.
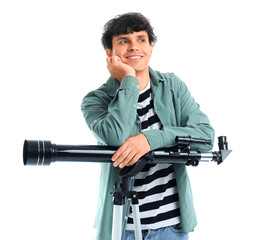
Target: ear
(108,52)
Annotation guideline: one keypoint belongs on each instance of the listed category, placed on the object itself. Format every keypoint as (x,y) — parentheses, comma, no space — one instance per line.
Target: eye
(123,41)
(142,40)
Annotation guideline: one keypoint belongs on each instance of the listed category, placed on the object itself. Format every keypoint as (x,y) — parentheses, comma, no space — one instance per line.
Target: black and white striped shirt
(156,183)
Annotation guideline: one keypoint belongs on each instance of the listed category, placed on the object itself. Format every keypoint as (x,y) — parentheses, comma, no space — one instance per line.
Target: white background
(51,57)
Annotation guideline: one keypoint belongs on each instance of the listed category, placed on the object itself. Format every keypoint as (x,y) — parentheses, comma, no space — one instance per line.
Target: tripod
(119,196)
(43,153)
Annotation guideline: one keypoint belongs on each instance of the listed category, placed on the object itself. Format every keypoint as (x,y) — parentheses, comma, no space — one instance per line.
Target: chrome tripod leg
(117,222)
(137,222)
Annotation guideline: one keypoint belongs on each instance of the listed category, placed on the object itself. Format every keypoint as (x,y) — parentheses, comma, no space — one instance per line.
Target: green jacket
(111,114)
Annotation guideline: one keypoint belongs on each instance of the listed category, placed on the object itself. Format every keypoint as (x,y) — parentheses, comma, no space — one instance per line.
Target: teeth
(134,57)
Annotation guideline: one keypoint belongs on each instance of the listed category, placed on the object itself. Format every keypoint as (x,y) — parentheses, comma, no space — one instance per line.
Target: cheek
(118,49)
(150,49)
(119,54)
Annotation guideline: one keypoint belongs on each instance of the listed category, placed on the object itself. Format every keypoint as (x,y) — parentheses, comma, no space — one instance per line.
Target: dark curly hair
(125,24)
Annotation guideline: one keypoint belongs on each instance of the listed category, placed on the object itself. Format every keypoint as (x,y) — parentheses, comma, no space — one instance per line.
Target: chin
(138,68)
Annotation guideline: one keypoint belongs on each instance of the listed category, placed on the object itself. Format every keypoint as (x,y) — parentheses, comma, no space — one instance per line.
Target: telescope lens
(37,152)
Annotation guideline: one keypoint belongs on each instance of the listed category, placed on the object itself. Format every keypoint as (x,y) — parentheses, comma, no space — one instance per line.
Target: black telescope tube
(43,153)
(84,153)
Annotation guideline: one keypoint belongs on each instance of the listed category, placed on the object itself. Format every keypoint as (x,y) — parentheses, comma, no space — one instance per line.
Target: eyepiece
(222,143)
(37,152)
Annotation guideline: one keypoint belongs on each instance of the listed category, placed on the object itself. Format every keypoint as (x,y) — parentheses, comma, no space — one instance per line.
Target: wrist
(131,72)
(130,82)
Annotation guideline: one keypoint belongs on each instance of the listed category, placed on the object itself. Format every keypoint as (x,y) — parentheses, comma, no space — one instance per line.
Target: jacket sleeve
(111,118)
(190,121)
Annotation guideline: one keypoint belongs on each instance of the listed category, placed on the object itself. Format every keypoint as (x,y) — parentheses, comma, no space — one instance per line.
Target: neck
(143,78)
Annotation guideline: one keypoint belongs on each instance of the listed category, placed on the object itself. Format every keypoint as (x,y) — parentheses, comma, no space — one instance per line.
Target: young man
(139,110)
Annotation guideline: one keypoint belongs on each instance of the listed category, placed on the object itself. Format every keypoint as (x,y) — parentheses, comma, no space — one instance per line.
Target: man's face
(134,49)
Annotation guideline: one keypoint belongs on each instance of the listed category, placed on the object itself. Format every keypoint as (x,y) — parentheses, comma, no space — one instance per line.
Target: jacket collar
(155,76)
(113,85)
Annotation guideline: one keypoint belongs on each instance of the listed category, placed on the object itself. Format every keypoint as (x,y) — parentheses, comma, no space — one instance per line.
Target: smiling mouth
(134,57)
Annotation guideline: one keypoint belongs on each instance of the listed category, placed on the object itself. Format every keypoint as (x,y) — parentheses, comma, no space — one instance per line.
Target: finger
(129,158)
(116,59)
(134,160)
(119,151)
(120,155)
(123,158)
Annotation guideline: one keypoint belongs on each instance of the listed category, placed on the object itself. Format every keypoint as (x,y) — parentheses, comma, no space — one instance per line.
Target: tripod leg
(117,222)
(137,222)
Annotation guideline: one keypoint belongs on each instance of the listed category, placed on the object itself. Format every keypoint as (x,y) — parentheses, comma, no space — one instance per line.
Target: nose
(133,46)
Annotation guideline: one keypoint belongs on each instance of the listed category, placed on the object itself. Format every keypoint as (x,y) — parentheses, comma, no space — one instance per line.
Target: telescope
(41,153)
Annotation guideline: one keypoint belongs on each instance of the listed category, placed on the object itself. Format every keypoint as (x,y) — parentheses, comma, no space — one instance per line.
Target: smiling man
(135,51)
(139,110)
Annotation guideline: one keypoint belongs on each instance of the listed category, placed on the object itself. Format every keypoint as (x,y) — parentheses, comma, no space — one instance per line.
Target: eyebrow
(121,38)
(125,38)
